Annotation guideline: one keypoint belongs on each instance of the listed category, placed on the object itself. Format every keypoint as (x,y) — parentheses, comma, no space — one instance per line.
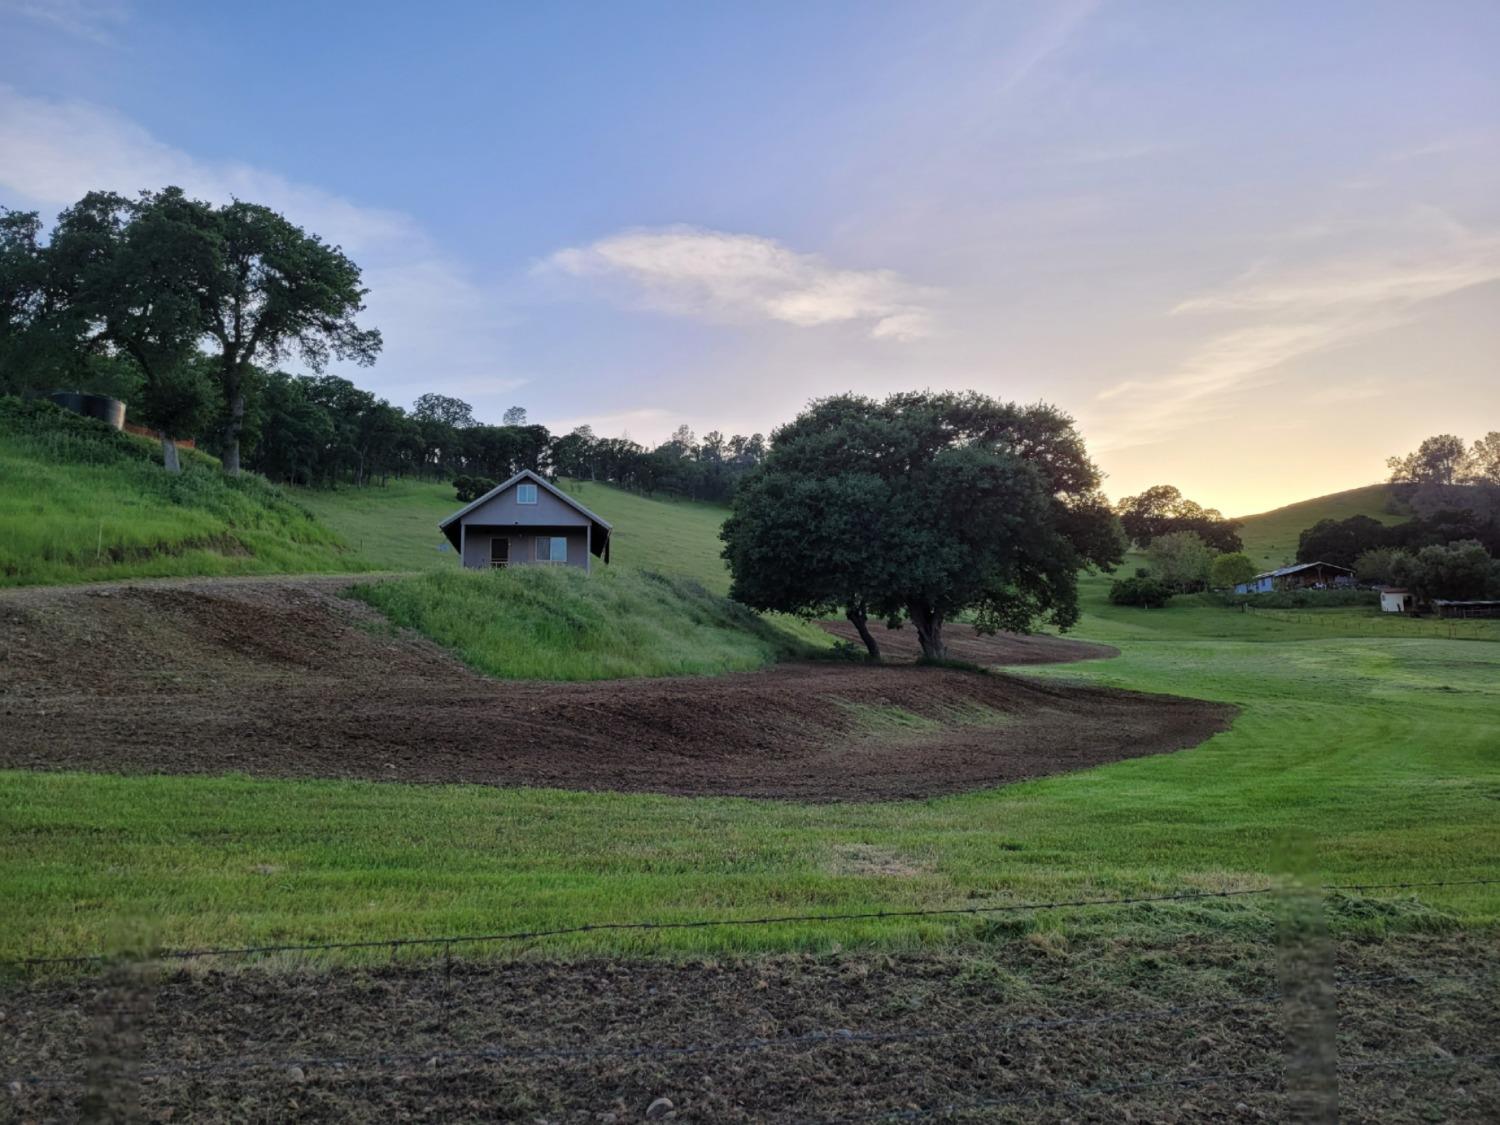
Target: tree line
(186,309)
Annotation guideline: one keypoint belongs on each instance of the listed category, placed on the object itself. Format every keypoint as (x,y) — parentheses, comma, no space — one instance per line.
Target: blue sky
(1253,248)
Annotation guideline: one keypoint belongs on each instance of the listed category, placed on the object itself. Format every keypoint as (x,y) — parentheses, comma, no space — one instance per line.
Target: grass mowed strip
(1353,760)
(81,502)
(1026,1031)
(558,623)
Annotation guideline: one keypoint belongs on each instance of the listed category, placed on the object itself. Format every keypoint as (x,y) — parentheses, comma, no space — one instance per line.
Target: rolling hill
(1271,537)
(81,502)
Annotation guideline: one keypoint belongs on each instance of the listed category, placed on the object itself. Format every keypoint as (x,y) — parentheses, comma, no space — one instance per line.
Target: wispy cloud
(433,314)
(1047,39)
(1279,315)
(95,20)
(720,276)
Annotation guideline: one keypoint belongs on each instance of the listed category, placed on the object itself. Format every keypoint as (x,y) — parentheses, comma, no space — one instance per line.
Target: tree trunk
(169,459)
(929,625)
(234,394)
(859,620)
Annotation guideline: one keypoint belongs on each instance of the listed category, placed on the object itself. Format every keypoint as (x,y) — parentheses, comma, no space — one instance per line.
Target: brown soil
(975,648)
(283,678)
(792,1038)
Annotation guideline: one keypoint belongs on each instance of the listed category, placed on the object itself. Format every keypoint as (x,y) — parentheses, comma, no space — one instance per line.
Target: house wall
(522,544)
(548,511)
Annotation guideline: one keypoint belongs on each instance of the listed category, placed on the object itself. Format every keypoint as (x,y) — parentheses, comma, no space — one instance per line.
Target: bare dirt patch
(977,648)
(283,678)
(1111,1030)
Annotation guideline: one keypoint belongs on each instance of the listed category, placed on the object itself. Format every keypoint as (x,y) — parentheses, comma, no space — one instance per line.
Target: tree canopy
(922,506)
(1162,510)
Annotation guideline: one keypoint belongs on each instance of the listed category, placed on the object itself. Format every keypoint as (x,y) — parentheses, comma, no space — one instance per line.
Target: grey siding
(548,511)
(522,544)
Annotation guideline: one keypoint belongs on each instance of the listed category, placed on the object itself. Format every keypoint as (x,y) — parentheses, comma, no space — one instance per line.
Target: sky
(1254,249)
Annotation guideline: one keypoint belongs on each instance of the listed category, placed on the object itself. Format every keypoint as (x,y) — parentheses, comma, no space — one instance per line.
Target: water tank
(102,407)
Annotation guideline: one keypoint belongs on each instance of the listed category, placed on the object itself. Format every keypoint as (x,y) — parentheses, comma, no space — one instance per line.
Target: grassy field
(1355,759)
(1271,537)
(80,502)
(557,623)
(395,527)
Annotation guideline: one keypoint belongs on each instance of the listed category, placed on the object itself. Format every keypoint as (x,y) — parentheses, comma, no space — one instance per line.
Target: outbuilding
(1397,599)
(524,522)
(1469,607)
(1300,576)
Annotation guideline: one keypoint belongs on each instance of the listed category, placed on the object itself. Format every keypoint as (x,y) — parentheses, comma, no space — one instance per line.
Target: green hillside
(82,502)
(558,623)
(1271,537)
(395,527)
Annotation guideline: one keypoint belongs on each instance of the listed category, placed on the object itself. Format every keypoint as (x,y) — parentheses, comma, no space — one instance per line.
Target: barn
(1300,576)
(527,521)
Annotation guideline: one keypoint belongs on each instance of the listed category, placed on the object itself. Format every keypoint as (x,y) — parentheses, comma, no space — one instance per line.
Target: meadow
(1354,760)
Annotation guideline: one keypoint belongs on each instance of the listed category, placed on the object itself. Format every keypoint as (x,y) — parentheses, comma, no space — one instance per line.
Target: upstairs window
(525,494)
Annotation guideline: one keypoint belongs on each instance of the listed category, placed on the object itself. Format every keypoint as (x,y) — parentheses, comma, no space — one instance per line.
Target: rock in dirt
(659,1109)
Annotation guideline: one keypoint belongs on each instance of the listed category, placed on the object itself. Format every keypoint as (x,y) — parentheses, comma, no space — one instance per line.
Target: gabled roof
(1285,570)
(528,475)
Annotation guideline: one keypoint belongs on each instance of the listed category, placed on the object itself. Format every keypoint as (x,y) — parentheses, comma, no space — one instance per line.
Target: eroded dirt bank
(1021,1031)
(283,678)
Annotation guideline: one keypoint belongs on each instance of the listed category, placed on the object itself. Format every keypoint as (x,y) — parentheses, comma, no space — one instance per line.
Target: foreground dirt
(965,644)
(284,678)
(1402,1031)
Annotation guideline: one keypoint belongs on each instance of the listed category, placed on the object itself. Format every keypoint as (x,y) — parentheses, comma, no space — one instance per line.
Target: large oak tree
(922,506)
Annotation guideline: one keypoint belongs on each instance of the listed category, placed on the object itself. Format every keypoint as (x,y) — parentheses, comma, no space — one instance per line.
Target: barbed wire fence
(113,1074)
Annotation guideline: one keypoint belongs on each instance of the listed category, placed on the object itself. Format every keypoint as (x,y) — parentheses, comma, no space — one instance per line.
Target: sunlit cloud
(1287,314)
(718,276)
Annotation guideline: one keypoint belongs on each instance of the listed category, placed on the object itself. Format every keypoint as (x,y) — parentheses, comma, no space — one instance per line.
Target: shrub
(1229,570)
(471,488)
(1339,598)
(1180,560)
(1145,592)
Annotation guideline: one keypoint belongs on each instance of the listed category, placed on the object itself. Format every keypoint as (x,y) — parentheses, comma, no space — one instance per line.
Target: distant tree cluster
(180,300)
(184,309)
(1163,510)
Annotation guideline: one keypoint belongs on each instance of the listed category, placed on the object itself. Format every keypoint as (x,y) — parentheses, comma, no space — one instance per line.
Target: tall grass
(558,623)
(80,501)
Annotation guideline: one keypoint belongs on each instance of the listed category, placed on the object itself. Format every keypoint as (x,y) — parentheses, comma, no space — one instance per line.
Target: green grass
(395,527)
(1270,538)
(80,502)
(558,623)
(1354,759)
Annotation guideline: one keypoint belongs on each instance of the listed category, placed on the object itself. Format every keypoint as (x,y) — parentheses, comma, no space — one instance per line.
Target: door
(499,551)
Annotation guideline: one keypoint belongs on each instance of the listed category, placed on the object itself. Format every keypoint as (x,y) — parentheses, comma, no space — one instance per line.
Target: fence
(979,1036)
(1391,625)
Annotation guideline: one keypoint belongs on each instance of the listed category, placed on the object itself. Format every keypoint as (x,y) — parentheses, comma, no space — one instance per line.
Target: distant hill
(1271,537)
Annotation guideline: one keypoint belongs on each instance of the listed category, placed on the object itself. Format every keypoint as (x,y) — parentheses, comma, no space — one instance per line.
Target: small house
(1300,576)
(1396,599)
(527,521)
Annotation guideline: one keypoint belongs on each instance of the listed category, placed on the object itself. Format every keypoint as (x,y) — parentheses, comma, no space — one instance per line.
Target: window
(525,494)
(551,548)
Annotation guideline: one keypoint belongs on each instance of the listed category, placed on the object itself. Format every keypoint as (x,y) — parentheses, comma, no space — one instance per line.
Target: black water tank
(102,407)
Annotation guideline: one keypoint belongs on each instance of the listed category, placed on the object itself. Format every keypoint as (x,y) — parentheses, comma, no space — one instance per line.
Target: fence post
(1306,965)
(111,1086)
